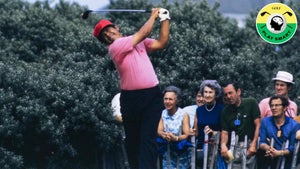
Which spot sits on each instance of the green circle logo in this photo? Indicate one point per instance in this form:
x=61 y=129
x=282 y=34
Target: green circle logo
x=276 y=23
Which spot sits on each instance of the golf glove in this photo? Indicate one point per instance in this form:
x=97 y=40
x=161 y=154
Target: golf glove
x=164 y=14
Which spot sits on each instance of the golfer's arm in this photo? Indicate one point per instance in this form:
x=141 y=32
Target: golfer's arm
x=163 y=38
x=145 y=30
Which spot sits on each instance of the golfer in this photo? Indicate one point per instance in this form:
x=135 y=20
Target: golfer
x=141 y=99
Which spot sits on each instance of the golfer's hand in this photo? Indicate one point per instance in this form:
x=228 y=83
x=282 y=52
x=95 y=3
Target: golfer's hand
x=164 y=14
x=155 y=12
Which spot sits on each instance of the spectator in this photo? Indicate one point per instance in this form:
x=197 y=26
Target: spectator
x=280 y=128
x=117 y=153
x=283 y=84
x=191 y=110
x=141 y=99
x=173 y=128
x=208 y=116
x=242 y=116
x=298 y=154
x=115 y=104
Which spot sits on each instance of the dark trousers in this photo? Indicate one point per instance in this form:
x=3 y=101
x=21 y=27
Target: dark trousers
x=141 y=111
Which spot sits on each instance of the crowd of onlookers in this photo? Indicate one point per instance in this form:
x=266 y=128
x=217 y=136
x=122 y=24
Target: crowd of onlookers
x=264 y=132
x=202 y=135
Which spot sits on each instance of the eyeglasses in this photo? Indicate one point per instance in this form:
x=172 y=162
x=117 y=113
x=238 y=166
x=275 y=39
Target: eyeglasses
x=275 y=105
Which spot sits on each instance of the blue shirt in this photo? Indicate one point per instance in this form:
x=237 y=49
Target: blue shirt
x=268 y=130
x=173 y=123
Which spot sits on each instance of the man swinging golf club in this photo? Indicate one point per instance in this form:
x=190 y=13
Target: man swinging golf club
x=141 y=99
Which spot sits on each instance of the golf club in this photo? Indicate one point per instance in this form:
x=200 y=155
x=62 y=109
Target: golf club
x=86 y=13
x=289 y=13
x=265 y=12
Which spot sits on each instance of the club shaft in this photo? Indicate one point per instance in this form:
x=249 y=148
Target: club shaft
x=85 y=14
x=121 y=10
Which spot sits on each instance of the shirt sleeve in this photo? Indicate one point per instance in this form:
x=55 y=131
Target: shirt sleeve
x=224 y=125
x=115 y=104
x=292 y=137
x=255 y=109
x=263 y=107
x=263 y=132
x=148 y=43
x=120 y=48
x=292 y=109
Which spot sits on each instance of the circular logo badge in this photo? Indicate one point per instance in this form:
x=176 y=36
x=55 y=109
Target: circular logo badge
x=276 y=23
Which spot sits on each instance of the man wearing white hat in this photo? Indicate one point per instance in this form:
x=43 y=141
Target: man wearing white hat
x=283 y=84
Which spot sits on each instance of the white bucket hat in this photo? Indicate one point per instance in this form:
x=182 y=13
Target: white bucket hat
x=284 y=76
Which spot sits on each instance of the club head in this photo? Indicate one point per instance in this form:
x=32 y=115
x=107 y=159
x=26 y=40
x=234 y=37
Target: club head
x=85 y=14
x=289 y=13
x=265 y=12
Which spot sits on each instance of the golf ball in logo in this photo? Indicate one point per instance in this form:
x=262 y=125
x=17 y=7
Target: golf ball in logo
x=276 y=23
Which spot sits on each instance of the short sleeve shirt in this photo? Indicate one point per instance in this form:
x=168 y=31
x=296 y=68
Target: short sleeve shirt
x=191 y=111
x=133 y=64
x=241 y=119
x=265 y=109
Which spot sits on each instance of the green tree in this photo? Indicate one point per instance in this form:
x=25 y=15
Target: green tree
x=55 y=91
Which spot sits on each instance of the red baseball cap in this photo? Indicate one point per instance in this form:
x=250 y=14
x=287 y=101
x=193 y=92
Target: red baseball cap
x=100 y=26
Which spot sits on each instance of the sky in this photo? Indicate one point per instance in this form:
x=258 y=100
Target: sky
x=92 y=4
x=96 y=4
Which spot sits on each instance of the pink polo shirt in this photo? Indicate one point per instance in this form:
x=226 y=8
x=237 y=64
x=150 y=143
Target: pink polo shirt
x=133 y=64
x=265 y=110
